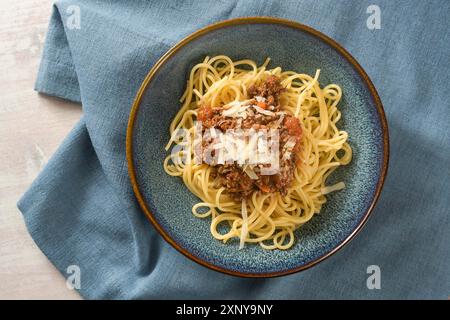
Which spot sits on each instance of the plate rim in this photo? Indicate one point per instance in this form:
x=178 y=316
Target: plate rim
x=234 y=22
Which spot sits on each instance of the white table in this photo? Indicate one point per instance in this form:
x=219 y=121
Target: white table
x=31 y=128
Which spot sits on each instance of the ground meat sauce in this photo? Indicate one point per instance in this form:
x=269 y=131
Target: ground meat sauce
x=269 y=89
x=231 y=176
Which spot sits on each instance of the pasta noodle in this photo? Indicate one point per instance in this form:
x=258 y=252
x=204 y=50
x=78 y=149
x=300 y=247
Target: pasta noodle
x=268 y=219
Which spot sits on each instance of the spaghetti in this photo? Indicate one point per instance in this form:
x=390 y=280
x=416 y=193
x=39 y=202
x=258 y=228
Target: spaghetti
x=265 y=216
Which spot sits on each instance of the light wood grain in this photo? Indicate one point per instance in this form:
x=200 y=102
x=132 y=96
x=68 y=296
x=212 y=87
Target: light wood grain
x=31 y=128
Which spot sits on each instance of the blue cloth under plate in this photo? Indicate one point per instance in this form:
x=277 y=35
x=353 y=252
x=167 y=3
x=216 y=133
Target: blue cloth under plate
x=81 y=209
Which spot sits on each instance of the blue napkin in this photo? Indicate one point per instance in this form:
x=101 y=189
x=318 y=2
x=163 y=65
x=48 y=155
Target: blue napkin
x=81 y=209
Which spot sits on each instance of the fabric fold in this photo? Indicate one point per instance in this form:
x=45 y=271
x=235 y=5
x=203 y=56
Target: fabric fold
x=57 y=75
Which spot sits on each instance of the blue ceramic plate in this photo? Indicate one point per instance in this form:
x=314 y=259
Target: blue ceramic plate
x=292 y=46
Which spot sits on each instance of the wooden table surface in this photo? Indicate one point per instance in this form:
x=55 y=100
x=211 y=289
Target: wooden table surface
x=31 y=128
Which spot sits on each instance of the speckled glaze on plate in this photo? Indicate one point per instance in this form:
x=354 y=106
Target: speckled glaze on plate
x=292 y=46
